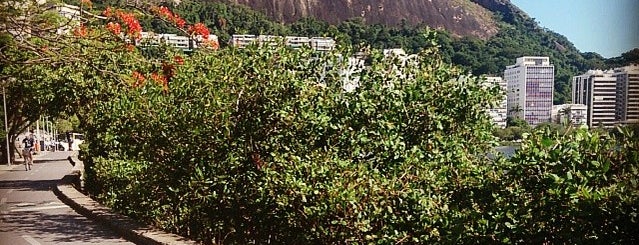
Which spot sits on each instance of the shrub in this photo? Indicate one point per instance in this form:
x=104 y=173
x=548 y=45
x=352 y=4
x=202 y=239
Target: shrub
x=265 y=146
x=575 y=188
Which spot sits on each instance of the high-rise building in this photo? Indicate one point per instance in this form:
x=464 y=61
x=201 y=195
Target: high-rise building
x=499 y=113
x=597 y=90
x=530 y=89
x=627 y=99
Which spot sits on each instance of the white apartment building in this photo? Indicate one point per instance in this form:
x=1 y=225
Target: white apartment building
x=322 y=43
x=316 y=43
x=173 y=40
x=530 y=89
x=243 y=41
x=499 y=113
x=597 y=90
x=574 y=114
x=297 y=42
x=627 y=97
x=269 y=40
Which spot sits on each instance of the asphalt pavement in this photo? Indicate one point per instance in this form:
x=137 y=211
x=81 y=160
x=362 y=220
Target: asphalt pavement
x=30 y=213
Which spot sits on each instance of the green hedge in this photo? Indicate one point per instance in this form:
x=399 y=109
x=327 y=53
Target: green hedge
x=264 y=146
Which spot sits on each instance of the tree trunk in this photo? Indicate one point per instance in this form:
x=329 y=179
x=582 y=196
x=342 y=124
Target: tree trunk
x=3 y=148
x=12 y=150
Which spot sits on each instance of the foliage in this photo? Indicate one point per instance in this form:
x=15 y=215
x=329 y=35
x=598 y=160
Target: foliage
x=224 y=20
x=28 y=64
x=269 y=139
x=517 y=122
x=60 y=66
x=627 y=58
x=577 y=188
x=264 y=146
x=67 y=123
x=511 y=133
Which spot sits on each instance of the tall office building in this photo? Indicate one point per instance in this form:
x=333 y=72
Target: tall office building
x=627 y=99
x=499 y=113
x=597 y=90
x=530 y=89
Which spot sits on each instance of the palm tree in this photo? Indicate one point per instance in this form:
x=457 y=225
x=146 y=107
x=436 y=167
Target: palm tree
x=565 y=112
x=515 y=110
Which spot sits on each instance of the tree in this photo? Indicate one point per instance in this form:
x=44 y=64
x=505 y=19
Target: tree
x=515 y=111
x=52 y=65
x=31 y=51
x=631 y=56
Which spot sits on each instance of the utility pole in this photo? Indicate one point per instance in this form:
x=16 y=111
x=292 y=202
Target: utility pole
x=37 y=136
x=6 y=124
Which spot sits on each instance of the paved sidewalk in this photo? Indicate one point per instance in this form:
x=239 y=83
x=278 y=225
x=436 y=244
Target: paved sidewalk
x=44 y=214
x=41 y=156
x=32 y=214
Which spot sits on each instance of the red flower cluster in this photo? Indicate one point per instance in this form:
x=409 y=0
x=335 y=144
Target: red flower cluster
x=107 y=12
x=114 y=28
x=178 y=59
x=130 y=47
x=161 y=80
x=164 y=12
x=212 y=44
x=200 y=29
x=163 y=77
x=132 y=24
x=81 y=31
x=138 y=79
x=128 y=20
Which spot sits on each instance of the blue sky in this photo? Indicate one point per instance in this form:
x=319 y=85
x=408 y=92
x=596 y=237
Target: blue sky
x=607 y=27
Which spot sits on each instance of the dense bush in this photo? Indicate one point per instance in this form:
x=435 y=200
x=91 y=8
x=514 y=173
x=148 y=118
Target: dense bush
x=580 y=187
x=265 y=146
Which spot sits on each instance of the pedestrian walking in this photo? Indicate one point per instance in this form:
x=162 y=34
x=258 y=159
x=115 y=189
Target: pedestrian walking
x=27 y=151
x=70 y=140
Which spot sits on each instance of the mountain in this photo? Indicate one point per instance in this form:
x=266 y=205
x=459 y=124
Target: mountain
x=460 y=17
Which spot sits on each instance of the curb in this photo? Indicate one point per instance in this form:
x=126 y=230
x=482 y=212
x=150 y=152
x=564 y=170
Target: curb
x=123 y=225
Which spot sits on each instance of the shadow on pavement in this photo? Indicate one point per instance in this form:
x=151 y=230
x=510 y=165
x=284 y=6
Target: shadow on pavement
x=21 y=162
x=28 y=185
x=56 y=228
x=49 y=160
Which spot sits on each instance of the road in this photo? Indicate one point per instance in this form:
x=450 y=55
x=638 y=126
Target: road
x=32 y=214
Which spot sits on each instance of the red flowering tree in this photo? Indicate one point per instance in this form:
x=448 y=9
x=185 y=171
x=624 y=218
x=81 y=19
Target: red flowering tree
x=71 y=55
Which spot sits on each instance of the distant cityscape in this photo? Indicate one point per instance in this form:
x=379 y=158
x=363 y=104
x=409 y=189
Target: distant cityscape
x=599 y=98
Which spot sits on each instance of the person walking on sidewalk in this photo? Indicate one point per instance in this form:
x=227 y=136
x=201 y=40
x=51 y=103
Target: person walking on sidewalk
x=28 y=143
x=70 y=140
